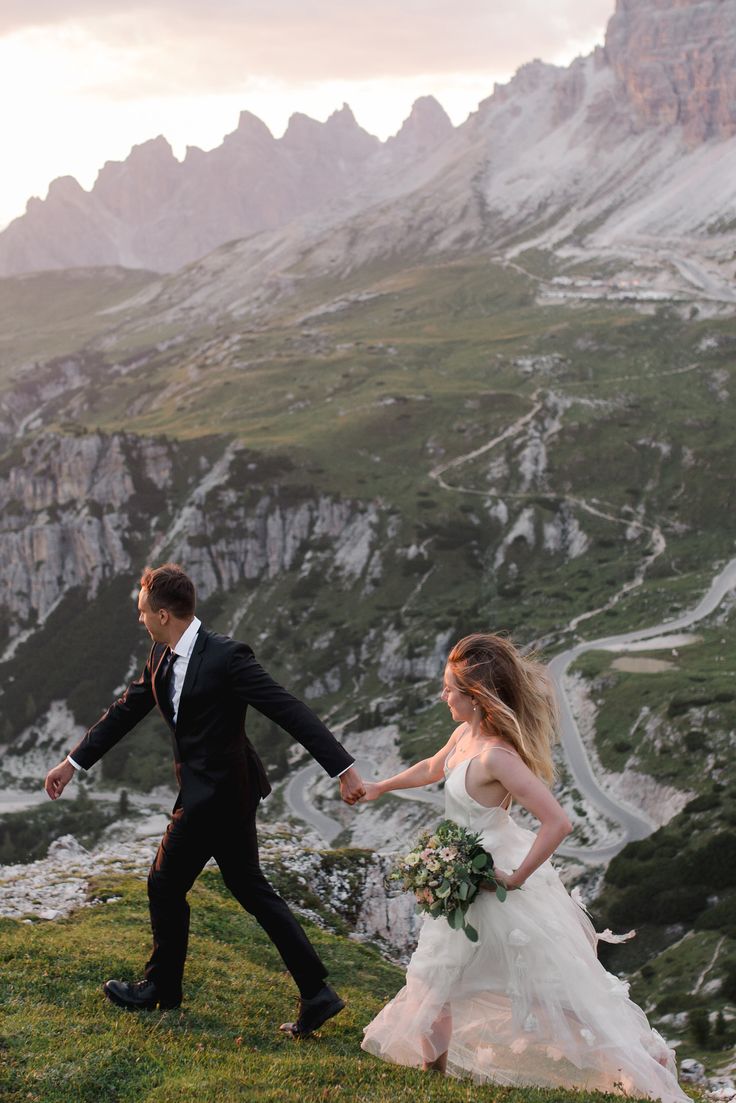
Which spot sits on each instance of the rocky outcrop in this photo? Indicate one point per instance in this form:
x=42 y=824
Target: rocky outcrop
x=321 y=885
x=677 y=63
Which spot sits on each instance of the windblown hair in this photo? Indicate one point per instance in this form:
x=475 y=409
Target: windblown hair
x=514 y=694
x=169 y=588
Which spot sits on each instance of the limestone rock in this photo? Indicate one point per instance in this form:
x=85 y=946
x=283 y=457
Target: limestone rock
x=677 y=63
x=692 y=1071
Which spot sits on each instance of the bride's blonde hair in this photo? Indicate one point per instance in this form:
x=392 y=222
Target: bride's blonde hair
x=514 y=694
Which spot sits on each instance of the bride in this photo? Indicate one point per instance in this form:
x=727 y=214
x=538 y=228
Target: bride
x=529 y=1003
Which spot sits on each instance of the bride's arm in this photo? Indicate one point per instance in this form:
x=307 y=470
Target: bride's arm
x=422 y=773
x=527 y=790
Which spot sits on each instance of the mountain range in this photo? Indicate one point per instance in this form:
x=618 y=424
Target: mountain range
x=603 y=154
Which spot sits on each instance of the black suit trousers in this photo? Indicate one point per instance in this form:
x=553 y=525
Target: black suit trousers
x=190 y=840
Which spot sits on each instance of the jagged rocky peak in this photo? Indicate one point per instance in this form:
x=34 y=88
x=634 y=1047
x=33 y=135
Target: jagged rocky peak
x=426 y=127
x=677 y=61
x=250 y=129
x=128 y=188
x=341 y=131
x=528 y=79
x=343 y=119
x=153 y=155
x=65 y=188
x=63 y=192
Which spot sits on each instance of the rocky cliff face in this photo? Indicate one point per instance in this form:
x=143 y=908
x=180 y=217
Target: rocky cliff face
x=78 y=509
x=676 y=59
x=65 y=516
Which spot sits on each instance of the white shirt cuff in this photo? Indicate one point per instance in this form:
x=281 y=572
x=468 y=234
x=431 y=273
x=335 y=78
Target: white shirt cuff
x=73 y=763
x=345 y=770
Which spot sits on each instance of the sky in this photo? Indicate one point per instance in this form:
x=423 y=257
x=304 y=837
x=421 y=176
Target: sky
x=83 y=81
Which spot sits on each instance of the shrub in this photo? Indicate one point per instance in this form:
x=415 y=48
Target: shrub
x=699 y=1025
x=719 y=917
x=714 y=861
x=728 y=984
x=680 y=904
x=703 y=803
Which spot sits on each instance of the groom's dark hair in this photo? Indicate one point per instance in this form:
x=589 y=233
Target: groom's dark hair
x=168 y=587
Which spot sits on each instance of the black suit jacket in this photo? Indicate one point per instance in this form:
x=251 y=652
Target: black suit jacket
x=215 y=761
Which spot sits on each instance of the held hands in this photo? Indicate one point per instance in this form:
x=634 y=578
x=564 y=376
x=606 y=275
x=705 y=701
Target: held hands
x=373 y=791
x=352 y=788
x=58 y=779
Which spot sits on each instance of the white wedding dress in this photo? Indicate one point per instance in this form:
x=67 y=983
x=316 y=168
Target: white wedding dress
x=530 y=1004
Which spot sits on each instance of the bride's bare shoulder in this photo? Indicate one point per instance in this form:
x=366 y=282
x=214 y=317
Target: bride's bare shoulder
x=498 y=756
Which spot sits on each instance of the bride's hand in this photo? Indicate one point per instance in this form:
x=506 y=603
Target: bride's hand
x=506 y=879
x=372 y=792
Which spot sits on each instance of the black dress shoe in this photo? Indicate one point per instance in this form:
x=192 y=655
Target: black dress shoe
x=139 y=996
x=314 y=1012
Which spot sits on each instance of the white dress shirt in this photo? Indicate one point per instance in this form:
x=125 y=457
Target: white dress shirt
x=182 y=650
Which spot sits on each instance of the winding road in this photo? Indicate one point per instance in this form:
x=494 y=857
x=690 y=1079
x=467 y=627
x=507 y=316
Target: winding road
x=634 y=824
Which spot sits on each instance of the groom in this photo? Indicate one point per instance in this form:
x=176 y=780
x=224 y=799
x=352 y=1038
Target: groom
x=202 y=684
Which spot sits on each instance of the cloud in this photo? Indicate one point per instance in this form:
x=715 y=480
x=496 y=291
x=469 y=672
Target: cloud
x=166 y=47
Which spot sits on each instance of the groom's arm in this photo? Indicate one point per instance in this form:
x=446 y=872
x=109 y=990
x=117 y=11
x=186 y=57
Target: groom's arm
x=121 y=717
x=254 y=686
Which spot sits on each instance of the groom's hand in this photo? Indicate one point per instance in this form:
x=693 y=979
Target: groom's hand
x=351 y=786
x=58 y=779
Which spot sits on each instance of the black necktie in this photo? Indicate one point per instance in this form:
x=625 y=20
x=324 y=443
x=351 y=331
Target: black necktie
x=166 y=696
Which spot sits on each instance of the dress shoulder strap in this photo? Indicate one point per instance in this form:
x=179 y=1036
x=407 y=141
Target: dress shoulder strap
x=509 y=750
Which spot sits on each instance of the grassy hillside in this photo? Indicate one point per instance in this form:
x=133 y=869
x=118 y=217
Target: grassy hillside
x=63 y=1042
x=49 y=314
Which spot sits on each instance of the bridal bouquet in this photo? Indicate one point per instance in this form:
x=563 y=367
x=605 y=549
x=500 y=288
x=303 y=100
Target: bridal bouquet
x=445 y=871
